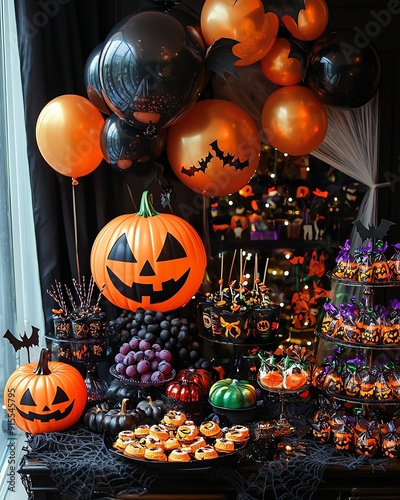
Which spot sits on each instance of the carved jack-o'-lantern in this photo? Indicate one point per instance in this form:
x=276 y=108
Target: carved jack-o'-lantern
x=390 y=333
x=365 y=272
x=45 y=396
x=391 y=445
x=333 y=382
x=343 y=438
x=150 y=260
x=366 y=444
x=381 y=271
x=350 y=271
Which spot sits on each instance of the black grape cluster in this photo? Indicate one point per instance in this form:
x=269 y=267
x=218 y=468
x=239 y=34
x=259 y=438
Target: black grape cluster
x=169 y=330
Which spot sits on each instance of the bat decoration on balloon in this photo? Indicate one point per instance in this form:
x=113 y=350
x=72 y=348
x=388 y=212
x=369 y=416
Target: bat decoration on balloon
x=24 y=341
x=227 y=159
x=297 y=51
x=282 y=8
x=373 y=232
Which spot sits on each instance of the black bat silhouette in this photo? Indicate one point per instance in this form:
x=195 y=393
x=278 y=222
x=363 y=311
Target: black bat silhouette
x=228 y=159
x=282 y=8
x=373 y=232
x=25 y=341
x=220 y=59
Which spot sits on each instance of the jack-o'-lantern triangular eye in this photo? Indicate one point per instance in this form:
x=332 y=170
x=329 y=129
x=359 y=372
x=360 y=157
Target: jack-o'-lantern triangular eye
x=172 y=249
x=121 y=251
x=27 y=399
x=60 y=397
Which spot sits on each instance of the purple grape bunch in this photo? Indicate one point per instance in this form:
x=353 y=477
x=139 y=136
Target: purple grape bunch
x=143 y=362
x=156 y=341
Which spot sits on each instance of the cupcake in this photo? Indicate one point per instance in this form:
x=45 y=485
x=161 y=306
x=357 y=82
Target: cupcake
x=135 y=450
x=155 y=453
x=179 y=455
x=207 y=452
x=223 y=445
x=210 y=429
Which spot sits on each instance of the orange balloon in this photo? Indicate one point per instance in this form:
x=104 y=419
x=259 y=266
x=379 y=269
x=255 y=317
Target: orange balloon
x=294 y=120
x=68 y=135
x=278 y=67
x=241 y=20
x=311 y=23
x=215 y=148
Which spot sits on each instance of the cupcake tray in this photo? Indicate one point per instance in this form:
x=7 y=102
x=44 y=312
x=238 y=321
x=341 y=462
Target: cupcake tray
x=194 y=464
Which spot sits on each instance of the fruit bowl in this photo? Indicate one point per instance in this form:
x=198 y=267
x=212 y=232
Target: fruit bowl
x=141 y=383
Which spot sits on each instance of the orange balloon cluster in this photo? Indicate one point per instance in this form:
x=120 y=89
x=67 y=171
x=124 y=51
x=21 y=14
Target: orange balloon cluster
x=241 y=20
x=279 y=67
x=68 y=135
x=311 y=23
x=215 y=148
x=294 y=120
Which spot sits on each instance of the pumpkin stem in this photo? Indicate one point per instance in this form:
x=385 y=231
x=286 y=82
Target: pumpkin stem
x=43 y=363
x=146 y=208
x=123 y=406
x=149 y=400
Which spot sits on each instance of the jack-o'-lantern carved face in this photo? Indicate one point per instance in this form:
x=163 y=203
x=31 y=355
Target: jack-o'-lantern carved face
x=371 y=334
x=172 y=266
x=381 y=271
x=365 y=273
x=56 y=407
x=333 y=383
x=150 y=260
x=366 y=446
x=350 y=271
x=390 y=334
x=343 y=439
x=391 y=446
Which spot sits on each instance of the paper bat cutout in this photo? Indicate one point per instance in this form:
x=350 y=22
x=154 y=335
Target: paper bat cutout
x=220 y=59
x=297 y=51
x=282 y=8
x=373 y=232
x=25 y=341
x=228 y=159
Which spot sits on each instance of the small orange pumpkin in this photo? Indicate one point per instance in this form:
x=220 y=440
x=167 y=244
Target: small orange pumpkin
x=45 y=396
x=148 y=259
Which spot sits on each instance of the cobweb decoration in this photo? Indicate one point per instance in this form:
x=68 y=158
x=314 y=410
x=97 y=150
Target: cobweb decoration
x=351 y=145
x=80 y=464
x=300 y=477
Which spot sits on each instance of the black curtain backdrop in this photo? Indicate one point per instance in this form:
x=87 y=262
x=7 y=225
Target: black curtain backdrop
x=55 y=40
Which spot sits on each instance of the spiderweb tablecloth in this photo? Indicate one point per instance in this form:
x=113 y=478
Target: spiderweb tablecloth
x=82 y=467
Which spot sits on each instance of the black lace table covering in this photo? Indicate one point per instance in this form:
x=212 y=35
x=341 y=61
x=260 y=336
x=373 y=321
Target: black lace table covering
x=80 y=464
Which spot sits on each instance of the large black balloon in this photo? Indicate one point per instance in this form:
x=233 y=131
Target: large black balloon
x=92 y=80
x=151 y=70
x=124 y=146
x=340 y=72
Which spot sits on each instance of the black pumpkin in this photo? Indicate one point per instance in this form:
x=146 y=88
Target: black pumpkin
x=93 y=417
x=119 y=390
x=154 y=410
x=117 y=420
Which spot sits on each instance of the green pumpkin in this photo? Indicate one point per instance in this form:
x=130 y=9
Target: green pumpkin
x=232 y=393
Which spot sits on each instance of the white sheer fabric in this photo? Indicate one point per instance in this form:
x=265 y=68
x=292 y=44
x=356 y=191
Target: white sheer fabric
x=20 y=297
x=351 y=146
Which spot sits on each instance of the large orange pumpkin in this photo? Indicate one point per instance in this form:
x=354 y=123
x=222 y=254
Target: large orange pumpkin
x=45 y=396
x=148 y=259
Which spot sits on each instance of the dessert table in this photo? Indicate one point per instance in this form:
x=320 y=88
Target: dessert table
x=78 y=464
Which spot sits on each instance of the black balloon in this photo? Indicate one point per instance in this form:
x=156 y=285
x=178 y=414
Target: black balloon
x=124 y=146
x=341 y=73
x=92 y=80
x=151 y=70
